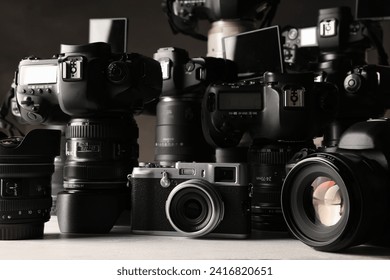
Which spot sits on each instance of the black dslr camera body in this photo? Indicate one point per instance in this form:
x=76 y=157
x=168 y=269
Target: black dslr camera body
x=84 y=80
x=96 y=92
x=333 y=199
x=281 y=115
x=288 y=107
x=191 y=199
x=179 y=134
x=336 y=49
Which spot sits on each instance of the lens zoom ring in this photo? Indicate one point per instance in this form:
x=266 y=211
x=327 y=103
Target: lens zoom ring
x=25 y=204
x=21 y=231
x=270 y=157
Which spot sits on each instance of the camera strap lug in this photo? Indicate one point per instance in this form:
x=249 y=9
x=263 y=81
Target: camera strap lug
x=165 y=182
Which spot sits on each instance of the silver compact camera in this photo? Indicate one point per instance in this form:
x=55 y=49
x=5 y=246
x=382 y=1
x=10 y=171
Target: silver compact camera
x=191 y=199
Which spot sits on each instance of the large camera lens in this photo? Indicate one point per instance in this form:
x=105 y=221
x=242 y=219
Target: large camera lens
x=194 y=208
x=100 y=153
x=334 y=201
x=179 y=135
x=267 y=169
x=26 y=166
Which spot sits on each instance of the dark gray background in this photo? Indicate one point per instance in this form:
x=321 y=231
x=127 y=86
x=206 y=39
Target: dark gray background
x=39 y=27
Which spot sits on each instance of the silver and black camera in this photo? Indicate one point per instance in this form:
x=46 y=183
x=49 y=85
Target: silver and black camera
x=191 y=199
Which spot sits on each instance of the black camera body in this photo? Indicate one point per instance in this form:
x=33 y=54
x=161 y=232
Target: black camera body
x=281 y=107
x=178 y=128
x=191 y=199
x=336 y=33
x=84 y=80
x=337 y=198
x=96 y=93
x=280 y=115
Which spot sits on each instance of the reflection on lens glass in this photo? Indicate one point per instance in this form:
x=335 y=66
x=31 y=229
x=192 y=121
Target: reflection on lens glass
x=192 y=209
x=327 y=201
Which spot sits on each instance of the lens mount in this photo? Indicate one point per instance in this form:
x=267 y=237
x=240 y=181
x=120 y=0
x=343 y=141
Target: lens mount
x=194 y=208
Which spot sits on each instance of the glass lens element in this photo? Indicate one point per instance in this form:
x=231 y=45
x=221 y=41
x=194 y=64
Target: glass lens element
x=327 y=201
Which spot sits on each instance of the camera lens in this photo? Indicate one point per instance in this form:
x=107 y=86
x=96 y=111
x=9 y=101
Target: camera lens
x=100 y=153
x=179 y=135
x=267 y=170
x=194 y=208
x=334 y=201
x=26 y=166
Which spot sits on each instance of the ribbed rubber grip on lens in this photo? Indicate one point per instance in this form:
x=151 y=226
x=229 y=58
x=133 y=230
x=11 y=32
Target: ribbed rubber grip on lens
x=96 y=172
x=21 y=231
x=25 y=204
x=103 y=129
x=270 y=157
x=24 y=170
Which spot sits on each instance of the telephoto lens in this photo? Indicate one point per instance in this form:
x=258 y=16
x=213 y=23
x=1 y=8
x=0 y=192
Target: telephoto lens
x=26 y=167
x=100 y=152
x=179 y=135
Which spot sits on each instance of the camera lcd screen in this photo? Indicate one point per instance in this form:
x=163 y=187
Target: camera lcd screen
x=255 y=52
x=372 y=9
x=244 y=101
x=37 y=74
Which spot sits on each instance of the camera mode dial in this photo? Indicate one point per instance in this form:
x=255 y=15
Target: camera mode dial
x=117 y=72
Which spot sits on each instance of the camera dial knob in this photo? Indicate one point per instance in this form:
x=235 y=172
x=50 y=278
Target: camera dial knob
x=117 y=72
x=352 y=83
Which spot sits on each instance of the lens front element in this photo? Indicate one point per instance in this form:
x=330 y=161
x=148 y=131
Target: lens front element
x=327 y=201
x=194 y=208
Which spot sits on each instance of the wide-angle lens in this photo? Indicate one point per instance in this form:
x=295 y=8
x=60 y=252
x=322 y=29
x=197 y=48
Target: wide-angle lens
x=26 y=166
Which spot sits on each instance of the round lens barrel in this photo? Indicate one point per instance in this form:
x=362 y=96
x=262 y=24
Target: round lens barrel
x=267 y=169
x=26 y=166
x=100 y=153
x=194 y=208
x=335 y=201
x=179 y=135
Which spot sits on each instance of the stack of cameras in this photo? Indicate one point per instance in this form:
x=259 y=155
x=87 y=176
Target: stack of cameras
x=234 y=148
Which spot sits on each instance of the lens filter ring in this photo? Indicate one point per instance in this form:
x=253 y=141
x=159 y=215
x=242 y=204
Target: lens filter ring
x=316 y=203
x=194 y=208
